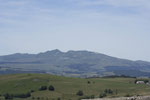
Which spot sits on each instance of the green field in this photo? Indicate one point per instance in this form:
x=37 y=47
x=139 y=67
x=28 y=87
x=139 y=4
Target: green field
x=66 y=87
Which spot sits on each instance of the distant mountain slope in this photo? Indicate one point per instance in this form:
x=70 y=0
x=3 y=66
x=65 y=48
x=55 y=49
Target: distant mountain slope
x=73 y=63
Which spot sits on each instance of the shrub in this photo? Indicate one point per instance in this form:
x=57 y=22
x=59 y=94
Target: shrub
x=43 y=88
x=11 y=96
x=51 y=88
x=88 y=82
x=32 y=91
x=26 y=95
x=110 y=91
x=146 y=81
x=80 y=93
x=8 y=96
x=105 y=91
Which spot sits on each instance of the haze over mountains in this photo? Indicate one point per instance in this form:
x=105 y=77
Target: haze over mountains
x=72 y=63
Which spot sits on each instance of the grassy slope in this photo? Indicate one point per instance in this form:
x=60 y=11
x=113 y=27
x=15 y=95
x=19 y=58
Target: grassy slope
x=67 y=87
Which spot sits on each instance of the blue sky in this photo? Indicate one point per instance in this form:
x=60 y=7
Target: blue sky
x=118 y=28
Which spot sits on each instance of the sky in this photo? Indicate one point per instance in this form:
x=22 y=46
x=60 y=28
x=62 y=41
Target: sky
x=118 y=28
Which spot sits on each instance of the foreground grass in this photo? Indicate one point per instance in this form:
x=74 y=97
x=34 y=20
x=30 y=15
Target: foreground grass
x=66 y=87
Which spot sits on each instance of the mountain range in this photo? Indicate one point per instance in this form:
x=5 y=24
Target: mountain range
x=73 y=63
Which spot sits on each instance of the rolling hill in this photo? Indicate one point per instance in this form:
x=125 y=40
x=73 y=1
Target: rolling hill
x=72 y=63
x=66 y=88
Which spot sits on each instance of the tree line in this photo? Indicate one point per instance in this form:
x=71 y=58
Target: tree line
x=28 y=94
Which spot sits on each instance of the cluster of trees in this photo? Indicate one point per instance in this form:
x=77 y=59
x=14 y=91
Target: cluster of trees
x=50 y=88
x=22 y=95
x=102 y=95
x=106 y=92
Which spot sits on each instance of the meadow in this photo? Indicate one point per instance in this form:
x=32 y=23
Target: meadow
x=66 y=88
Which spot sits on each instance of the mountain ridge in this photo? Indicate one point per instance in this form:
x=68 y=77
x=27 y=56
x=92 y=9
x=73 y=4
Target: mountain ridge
x=57 y=50
x=74 y=63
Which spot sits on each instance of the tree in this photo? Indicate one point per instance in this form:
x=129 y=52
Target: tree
x=80 y=93
x=28 y=94
x=88 y=82
x=58 y=99
x=106 y=91
x=135 y=81
x=146 y=81
x=51 y=88
x=110 y=91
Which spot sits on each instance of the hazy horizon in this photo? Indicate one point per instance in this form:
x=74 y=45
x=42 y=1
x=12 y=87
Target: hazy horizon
x=117 y=28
